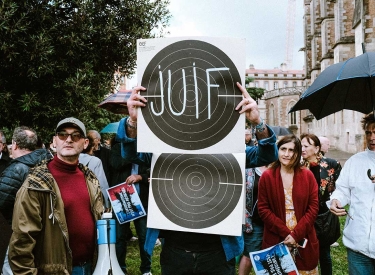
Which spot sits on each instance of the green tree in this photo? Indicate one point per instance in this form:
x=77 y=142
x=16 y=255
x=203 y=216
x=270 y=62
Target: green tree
x=254 y=92
x=58 y=58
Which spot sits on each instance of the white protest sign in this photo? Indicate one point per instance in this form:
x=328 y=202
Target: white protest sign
x=197 y=193
x=192 y=95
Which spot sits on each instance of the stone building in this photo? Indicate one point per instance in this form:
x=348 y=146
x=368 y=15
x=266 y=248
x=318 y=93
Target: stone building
x=336 y=30
x=283 y=88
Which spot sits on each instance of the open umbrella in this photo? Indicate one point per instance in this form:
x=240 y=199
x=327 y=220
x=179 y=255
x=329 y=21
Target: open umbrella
x=281 y=131
x=110 y=128
x=345 y=85
x=116 y=103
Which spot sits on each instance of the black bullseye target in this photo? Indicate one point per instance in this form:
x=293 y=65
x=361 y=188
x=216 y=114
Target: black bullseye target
x=196 y=191
x=192 y=94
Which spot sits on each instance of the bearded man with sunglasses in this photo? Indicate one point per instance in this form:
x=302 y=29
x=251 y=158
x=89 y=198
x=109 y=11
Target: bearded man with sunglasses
x=56 y=209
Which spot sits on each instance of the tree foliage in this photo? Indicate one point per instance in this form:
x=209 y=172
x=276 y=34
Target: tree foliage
x=58 y=58
x=254 y=92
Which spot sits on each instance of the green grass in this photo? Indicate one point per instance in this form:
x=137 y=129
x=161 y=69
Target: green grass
x=338 y=254
x=133 y=260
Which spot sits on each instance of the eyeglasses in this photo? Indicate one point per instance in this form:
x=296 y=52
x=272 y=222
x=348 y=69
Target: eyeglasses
x=74 y=136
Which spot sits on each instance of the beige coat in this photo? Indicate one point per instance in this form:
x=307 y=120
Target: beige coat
x=40 y=239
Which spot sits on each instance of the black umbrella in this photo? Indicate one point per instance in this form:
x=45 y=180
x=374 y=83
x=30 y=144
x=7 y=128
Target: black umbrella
x=345 y=85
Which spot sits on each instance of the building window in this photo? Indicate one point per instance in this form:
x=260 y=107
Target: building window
x=272 y=114
x=256 y=84
x=285 y=84
x=292 y=116
x=294 y=84
x=275 y=85
x=266 y=85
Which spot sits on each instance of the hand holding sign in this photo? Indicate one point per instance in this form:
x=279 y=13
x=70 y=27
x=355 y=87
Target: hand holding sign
x=249 y=106
x=136 y=100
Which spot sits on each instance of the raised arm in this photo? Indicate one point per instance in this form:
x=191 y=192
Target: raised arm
x=266 y=151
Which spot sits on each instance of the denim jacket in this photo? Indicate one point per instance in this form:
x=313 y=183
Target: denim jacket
x=263 y=154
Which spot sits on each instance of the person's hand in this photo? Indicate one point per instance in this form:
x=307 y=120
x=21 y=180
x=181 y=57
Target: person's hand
x=135 y=100
x=248 y=106
x=290 y=241
x=336 y=208
x=133 y=179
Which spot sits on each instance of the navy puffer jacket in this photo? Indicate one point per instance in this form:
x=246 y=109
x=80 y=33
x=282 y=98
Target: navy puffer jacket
x=13 y=177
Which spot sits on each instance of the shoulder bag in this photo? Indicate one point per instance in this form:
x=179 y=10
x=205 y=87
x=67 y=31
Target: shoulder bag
x=327 y=226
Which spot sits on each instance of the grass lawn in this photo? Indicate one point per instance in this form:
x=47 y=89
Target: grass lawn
x=338 y=254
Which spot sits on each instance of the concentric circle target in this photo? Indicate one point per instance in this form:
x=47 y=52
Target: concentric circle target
x=196 y=191
x=192 y=94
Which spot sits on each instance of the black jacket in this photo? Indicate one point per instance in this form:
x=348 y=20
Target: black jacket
x=4 y=162
x=104 y=154
x=121 y=169
x=13 y=177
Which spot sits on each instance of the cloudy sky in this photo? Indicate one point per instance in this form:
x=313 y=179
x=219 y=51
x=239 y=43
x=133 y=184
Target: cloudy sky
x=261 y=22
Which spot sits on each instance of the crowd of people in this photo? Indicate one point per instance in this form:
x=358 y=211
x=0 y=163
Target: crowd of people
x=53 y=197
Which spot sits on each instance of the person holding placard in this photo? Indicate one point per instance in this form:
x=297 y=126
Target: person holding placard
x=187 y=252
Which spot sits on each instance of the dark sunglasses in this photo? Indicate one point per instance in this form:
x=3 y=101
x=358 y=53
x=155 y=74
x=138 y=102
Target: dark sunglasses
x=74 y=136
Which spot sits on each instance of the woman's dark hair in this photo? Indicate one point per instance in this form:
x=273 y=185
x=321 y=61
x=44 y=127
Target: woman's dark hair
x=314 y=139
x=297 y=151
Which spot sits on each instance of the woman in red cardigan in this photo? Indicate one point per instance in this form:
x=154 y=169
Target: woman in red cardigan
x=288 y=205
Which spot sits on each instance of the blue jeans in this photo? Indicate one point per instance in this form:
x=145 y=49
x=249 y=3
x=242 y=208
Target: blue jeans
x=84 y=269
x=176 y=261
x=360 y=264
x=325 y=261
x=121 y=244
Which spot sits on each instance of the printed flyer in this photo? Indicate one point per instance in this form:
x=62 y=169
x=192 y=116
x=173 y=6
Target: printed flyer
x=125 y=202
x=274 y=260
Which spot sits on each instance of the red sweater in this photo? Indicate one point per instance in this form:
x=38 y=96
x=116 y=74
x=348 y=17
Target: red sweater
x=271 y=208
x=77 y=208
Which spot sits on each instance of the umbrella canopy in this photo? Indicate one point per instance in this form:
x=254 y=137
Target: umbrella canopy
x=110 y=128
x=281 y=131
x=345 y=85
x=116 y=103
